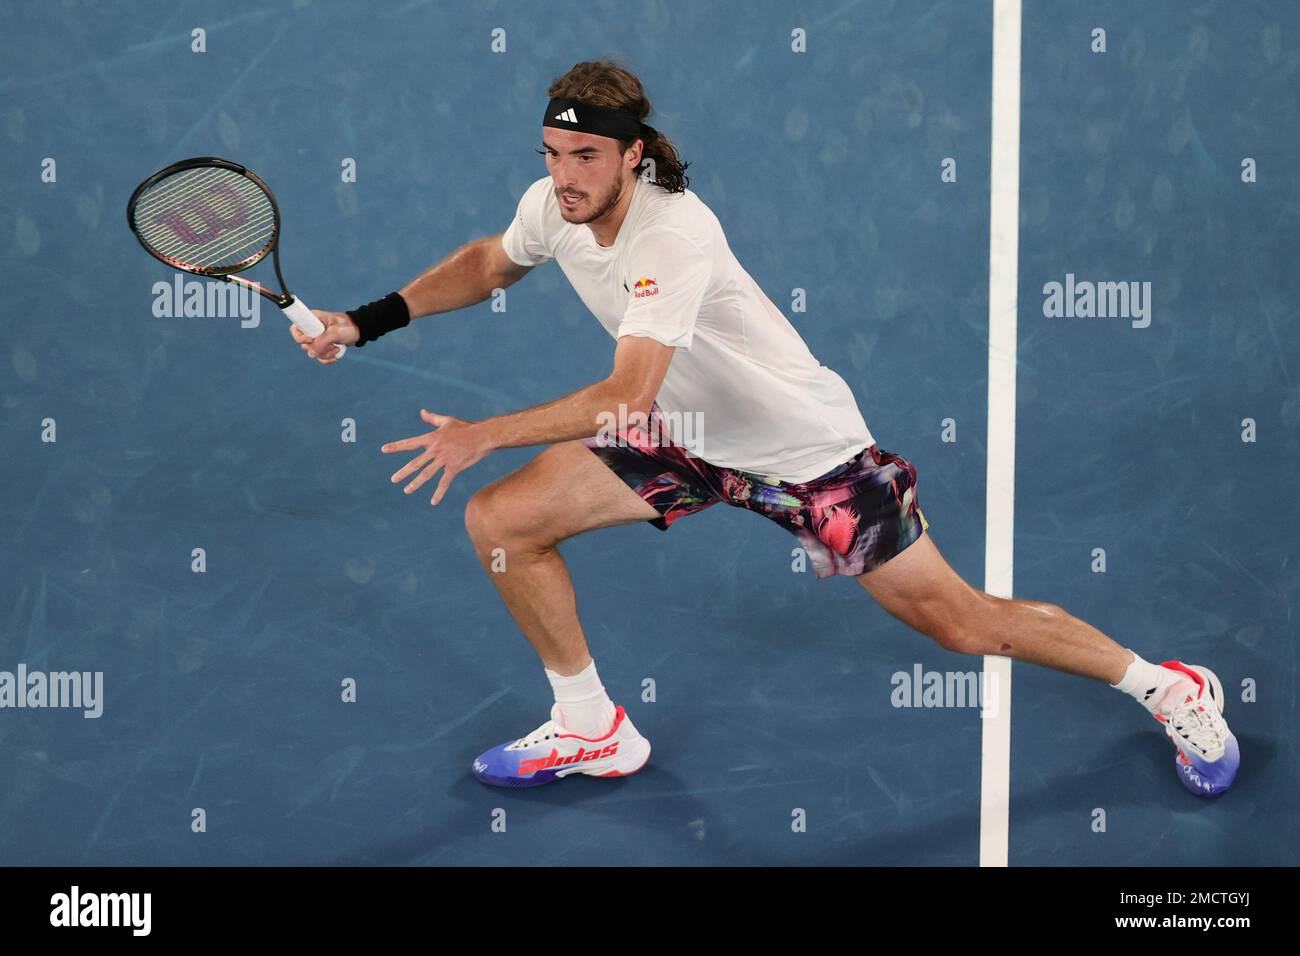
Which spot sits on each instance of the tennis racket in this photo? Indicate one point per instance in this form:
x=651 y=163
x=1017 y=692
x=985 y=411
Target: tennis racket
x=211 y=217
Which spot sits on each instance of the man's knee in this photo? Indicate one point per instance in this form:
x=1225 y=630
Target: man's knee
x=483 y=517
x=961 y=640
x=973 y=625
x=493 y=520
x=988 y=625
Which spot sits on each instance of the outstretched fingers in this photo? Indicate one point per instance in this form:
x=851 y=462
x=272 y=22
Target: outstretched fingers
x=433 y=468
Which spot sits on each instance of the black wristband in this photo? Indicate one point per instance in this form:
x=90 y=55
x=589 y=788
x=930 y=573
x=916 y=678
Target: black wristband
x=379 y=317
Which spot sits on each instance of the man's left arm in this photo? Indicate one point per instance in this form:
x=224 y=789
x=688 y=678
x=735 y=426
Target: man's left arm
x=640 y=364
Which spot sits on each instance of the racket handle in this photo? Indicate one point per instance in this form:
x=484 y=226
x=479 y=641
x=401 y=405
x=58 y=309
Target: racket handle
x=306 y=320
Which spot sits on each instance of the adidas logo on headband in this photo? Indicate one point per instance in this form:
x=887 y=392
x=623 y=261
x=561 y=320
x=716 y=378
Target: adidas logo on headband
x=562 y=112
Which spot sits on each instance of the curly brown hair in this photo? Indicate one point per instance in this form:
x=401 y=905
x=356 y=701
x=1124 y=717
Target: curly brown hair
x=606 y=83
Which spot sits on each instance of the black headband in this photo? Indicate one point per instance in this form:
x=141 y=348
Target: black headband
x=582 y=117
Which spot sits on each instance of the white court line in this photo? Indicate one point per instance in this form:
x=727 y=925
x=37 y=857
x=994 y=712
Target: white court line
x=1000 y=499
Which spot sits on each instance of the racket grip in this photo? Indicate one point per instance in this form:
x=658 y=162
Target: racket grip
x=306 y=320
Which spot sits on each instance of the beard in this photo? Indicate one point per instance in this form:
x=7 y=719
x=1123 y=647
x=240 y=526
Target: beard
x=580 y=215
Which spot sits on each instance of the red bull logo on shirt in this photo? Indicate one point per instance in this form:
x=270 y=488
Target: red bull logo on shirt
x=644 y=287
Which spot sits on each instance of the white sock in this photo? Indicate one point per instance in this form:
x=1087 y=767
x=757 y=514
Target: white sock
x=1148 y=683
x=585 y=709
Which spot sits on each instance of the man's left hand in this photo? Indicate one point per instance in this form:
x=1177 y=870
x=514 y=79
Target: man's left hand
x=453 y=447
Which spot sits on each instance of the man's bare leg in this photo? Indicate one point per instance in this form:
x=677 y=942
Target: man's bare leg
x=920 y=589
x=562 y=492
x=567 y=490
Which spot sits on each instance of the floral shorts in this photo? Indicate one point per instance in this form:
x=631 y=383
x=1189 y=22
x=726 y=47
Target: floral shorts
x=852 y=519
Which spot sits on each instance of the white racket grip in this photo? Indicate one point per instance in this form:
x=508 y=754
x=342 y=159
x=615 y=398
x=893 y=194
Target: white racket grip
x=306 y=320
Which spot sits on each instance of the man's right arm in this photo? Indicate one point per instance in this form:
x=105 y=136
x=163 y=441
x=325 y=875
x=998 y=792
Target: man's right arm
x=466 y=277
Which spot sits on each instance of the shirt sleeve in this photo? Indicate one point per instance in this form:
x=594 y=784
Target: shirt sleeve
x=667 y=275
x=524 y=240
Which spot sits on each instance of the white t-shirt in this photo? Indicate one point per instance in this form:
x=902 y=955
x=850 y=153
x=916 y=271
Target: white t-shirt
x=742 y=391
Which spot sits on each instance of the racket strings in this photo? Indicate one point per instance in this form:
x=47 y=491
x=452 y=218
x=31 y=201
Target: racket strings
x=189 y=181
x=176 y=198
x=206 y=218
x=231 y=247
x=252 y=235
x=178 y=188
x=224 y=205
x=249 y=234
x=245 y=235
x=218 y=230
x=186 y=194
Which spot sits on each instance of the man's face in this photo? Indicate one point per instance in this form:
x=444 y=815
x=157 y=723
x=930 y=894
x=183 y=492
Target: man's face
x=587 y=167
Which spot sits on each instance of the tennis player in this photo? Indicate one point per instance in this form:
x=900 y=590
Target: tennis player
x=713 y=397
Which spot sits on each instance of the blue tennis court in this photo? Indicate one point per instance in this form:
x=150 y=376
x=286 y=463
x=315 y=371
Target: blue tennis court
x=298 y=663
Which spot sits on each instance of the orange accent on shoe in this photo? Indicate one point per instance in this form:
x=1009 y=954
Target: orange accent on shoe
x=619 y=773
x=1184 y=669
x=619 y=714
